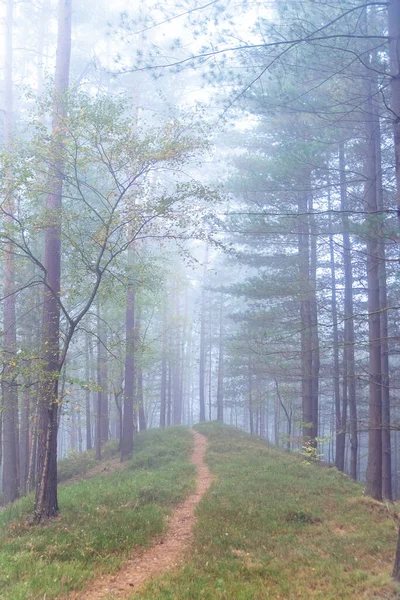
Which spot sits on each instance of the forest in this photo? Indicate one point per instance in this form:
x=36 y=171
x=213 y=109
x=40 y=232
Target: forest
x=200 y=210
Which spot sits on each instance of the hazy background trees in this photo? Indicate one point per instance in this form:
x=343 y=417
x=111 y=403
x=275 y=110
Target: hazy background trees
x=199 y=222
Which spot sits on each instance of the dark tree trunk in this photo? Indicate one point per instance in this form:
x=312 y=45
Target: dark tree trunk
x=349 y=380
x=394 y=51
x=387 y=491
x=8 y=385
x=305 y=321
x=315 y=353
x=339 y=416
x=32 y=467
x=99 y=373
x=374 y=469
x=46 y=496
x=24 y=441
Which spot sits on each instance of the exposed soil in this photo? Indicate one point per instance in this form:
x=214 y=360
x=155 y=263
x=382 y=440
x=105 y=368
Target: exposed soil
x=168 y=552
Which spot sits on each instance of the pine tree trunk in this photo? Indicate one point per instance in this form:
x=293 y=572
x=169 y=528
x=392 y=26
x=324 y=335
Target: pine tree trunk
x=340 y=418
x=315 y=353
x=394 y=52
x=349 y=380
x=374 y=469
x=384 y=335
x=305 y=321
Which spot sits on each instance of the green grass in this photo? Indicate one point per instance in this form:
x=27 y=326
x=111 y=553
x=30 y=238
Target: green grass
x=79 y=463
x=101 y=520
x=274 y=527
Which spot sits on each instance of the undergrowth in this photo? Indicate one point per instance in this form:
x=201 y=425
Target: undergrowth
x=101 y=521
x=273 y=526
x=79 y=463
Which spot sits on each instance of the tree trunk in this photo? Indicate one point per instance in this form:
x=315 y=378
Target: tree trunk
x=177 y=366
x=387 y=491
x=315 y=353
x=46 y=495
x=394 y=51
x=305 y=322
x=99 y=373
x=349 y=380
x=203 y=346
x=87 y=396
x=340 y=417
x=163 y=399
x=24 y=441
x=8 y=385
x=220 y=388
x=374 y=469
x=127 y=423
x=202 y=355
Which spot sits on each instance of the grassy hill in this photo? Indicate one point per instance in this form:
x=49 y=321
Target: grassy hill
x=273 y=526
x=102 y=519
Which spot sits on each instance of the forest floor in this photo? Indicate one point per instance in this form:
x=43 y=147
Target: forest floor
x=270 y=527
x=169 y=550
x=102 y=520
x=273 y=526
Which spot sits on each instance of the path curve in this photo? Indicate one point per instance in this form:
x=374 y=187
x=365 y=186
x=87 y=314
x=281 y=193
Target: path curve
x=168 y=551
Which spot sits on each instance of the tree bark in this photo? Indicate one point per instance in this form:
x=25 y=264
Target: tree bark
x=374 y=469
x=163 y=399
x=340 y=418
x=46 y=495
x=306 y=321
x=203 y=346
x=127 y=423
x=87 y=396
x=220 y=388
x=8 y=385
x=349 y=380
x=387 y=491
x=394 y=52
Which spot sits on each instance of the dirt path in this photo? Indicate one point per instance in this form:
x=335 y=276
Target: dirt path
x=168 y=551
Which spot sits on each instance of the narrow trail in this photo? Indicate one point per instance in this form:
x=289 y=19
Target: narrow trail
x=168 y=552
